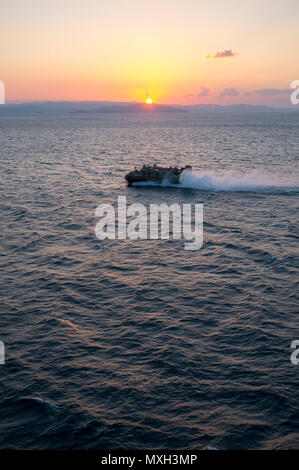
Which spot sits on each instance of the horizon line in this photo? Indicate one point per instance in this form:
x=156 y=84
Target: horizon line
x=24 y=102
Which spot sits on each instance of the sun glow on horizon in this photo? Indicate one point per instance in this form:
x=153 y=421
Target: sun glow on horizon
x=149 y=101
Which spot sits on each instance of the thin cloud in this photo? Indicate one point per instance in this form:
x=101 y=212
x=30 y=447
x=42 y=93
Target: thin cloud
x=228 y=92
x=271 y=92
x=203 y=91
x=222 y=54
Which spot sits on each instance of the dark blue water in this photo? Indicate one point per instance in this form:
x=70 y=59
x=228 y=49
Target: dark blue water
x=141 y=344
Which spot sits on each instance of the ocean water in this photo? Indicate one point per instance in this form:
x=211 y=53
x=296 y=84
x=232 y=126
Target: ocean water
x=141 y=344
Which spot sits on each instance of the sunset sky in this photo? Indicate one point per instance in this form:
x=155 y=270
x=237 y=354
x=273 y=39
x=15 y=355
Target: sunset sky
x=173 y=51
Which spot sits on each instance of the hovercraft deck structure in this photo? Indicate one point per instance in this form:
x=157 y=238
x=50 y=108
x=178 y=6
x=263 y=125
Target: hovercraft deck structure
x=156 y=174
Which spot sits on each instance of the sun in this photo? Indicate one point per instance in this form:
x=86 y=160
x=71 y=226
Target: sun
x=149 y=101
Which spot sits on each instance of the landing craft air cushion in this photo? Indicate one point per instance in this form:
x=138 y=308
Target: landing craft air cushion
x=156 y=174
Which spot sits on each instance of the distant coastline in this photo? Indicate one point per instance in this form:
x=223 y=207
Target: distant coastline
x=103 y=107
x=139 y=108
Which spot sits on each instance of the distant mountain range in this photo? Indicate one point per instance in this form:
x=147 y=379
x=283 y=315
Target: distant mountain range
x=237 y=108
x=66 y=107
x=140 y=108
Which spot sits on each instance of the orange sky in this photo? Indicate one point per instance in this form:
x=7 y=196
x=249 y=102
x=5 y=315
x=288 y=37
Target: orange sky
x=126 y=50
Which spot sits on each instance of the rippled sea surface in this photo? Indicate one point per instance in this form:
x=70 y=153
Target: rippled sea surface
x=142 y=344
